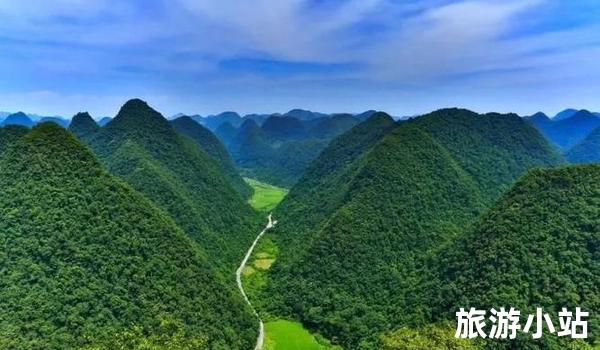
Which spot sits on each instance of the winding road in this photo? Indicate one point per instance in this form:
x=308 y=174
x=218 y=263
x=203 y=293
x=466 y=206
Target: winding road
x=238 y=277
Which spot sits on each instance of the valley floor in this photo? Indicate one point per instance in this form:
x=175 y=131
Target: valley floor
x=266 y=196
x=279 y=334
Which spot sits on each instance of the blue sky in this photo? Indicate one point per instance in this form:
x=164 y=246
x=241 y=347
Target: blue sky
x=201 y=56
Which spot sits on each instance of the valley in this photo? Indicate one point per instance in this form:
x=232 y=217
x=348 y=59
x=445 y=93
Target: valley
x=274 y=334
x=299 y=175
x=391 y=227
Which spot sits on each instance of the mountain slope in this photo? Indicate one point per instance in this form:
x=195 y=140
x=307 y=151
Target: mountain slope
x=83 y=126
x=366 y=259
x=90 y=258
x=104 y=120
x=537 y=247
x=140 y=146
x=304 y=115
x=18 y=118
x=278 y=151
x=214 y=121
x=565 y=114
x=57 y=120
x=333 y=126
x=566 y=133
x=283 y=128
x=211 y=144
x=357 y=231
x=505 y=148
x=588 y=150
x=10 y=134
x=226 y=133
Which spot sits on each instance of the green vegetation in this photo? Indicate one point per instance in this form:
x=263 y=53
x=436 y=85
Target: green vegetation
x=588 y=150
x=141 y=147
x=131 y=244
x=433 y=336
x=265 y=197
x=88 y=261
x=211 y=144
x=255 y=273
x=359 y=234
x=288 y=335
x=537 y=247
x=278 y=151
x=82 y=125
x=10 y=134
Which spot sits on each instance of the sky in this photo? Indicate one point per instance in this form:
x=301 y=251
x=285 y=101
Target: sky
x=261 y=56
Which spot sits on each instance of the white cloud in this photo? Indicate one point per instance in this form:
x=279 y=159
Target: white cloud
x=454 y=39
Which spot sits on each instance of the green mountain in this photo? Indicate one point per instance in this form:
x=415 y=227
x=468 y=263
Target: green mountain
x=278 y=151
x=226 y=133
x=91 y=263
x=140 y=146
x=258 y=118
x=211 y=144
x=357 y=232
x=57 y=120
x=365 y=115
x=537 y=247
x=328 y=128
x=283 y=128
x=506 y=147
x=304 y=115
x=10 y=134
x=82 y=125
x=588 y=150
x=214 y=121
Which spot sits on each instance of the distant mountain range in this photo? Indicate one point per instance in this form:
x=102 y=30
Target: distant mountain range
x=18 y=118
x=214 y=121
x=567 y=128
x=278 y=150
x=29 y=119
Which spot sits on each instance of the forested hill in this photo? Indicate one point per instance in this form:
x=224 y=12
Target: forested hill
x=83 y=126
x=374 y=207
x=493 y=148
x=10 y=134
x=140 y=146
x=211 y=144
x=279 y=150
x=588 y=150
x=327 y=180
x=537 y=247
x=90 y=263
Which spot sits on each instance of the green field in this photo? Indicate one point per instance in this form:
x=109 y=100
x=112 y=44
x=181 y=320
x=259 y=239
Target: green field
x=288 y=335
x=266 y=197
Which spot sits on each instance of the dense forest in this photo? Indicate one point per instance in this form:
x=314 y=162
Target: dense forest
x=215 y=148
x=374 y=207
x=588 y=150
x=88 y=262
x=127 y=235
x=140 y=146
x=279 y=149
x=537 y=247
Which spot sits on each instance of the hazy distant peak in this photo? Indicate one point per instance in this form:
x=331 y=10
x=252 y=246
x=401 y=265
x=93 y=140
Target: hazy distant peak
x=567 y=113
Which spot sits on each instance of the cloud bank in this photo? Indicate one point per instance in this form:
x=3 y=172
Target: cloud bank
x=204 y=56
